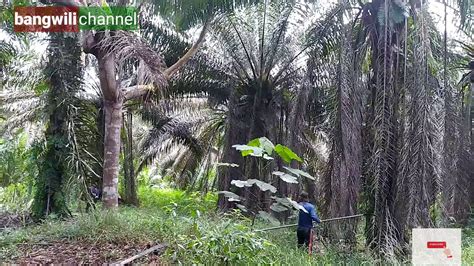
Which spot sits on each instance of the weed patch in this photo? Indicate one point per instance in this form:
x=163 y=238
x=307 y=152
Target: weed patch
x=193 y=236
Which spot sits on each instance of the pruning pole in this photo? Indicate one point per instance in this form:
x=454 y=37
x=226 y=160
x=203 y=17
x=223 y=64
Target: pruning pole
x=322 y=221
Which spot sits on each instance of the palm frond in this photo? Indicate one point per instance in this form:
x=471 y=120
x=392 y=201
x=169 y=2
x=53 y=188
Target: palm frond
x=23 y=87
x=125 y=46
x=342 y=181
x=418 y=173
x=185 y=13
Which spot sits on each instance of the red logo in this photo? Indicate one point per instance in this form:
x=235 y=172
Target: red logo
x=46 y=19
x=440 y=245
x=436 y=244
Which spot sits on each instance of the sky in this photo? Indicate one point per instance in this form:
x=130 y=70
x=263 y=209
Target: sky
x=437 y=11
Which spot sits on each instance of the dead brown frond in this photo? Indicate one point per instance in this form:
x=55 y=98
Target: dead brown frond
x=126 y=46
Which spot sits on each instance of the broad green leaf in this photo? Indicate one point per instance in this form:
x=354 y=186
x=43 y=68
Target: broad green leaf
x=230 y=195
x=278 y=207
x=283 y=201
x=228 y=164
x=254 y=143
x=262 y=185
x=248 y=150
x=299 y=172
x=286 y=177
x=266 y=145
x=266 y=157
x=257 y=154
x=296 y=205
x=286 y=153
x=250 y=182
x=240 y=183
x=266 y=216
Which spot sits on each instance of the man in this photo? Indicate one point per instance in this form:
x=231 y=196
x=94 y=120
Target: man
x=305 y=220
x=96 y=194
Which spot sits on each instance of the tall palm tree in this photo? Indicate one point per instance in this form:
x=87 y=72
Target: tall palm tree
x=227 y=86
x=342 y=180
x=419 y=177
x=179 y=115
x=458 y=143
x=246 y=70
x=43 y=97
x=399 y=54
x=64 y=72
x=117 y=47
x=29 y=102
x=261 y=49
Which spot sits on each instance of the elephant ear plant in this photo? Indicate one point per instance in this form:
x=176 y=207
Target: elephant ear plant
x=257 y=197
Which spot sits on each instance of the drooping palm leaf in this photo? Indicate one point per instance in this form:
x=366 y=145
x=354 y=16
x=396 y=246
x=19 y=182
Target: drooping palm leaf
x=185 y=13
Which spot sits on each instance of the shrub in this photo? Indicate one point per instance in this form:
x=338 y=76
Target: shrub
x=177 y=200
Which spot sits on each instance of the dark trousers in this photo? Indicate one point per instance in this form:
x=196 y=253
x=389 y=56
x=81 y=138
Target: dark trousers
x=303 y=234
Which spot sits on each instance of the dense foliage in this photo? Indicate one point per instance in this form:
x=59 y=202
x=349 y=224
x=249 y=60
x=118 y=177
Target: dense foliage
x=241 y=105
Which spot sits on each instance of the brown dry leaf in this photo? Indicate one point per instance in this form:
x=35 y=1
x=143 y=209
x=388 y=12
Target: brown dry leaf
x=81 y=252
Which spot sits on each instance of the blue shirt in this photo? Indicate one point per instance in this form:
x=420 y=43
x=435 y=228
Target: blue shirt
x=306 y=219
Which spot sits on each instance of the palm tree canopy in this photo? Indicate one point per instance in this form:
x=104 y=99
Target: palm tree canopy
x=185 y=13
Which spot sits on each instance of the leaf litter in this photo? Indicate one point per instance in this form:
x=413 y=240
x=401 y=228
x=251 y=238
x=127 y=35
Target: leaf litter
x=81 y=252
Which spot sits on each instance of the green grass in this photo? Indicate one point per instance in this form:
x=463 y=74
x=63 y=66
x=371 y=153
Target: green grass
x=209 y=239
x=194 y=235
x=468 y=243
x=176 y=199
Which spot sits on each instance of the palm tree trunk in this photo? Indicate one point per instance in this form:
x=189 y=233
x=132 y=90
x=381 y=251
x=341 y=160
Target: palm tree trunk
x=113 y=103
x=263 y=123
x=382 y=165
x=113 y=124
x=63 y=72
x=469 y=107
x=235 y=134
x=341 y=182
x=471 y=200
x=130 y=197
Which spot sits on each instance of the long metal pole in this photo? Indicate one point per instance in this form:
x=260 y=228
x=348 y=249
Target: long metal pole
x=322 y=221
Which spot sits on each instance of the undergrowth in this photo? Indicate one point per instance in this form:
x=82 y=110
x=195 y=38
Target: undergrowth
x=178 y=200
x=209 y=239
x=468 y=243
x=193 y=235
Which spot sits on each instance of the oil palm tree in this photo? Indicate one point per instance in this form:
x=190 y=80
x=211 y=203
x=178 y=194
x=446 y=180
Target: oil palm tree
x=43 y=97
x=64 y=73
x=246 y=70
x=380 y=36
x=458 y=142
x=266 y=59
x=262 y=68
x=341 y=183
x=30 y=103
x=115 y=48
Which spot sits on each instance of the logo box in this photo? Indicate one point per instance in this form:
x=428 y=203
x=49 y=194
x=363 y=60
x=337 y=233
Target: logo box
x=436 y=246
x=33 y=19
x=74 y=19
